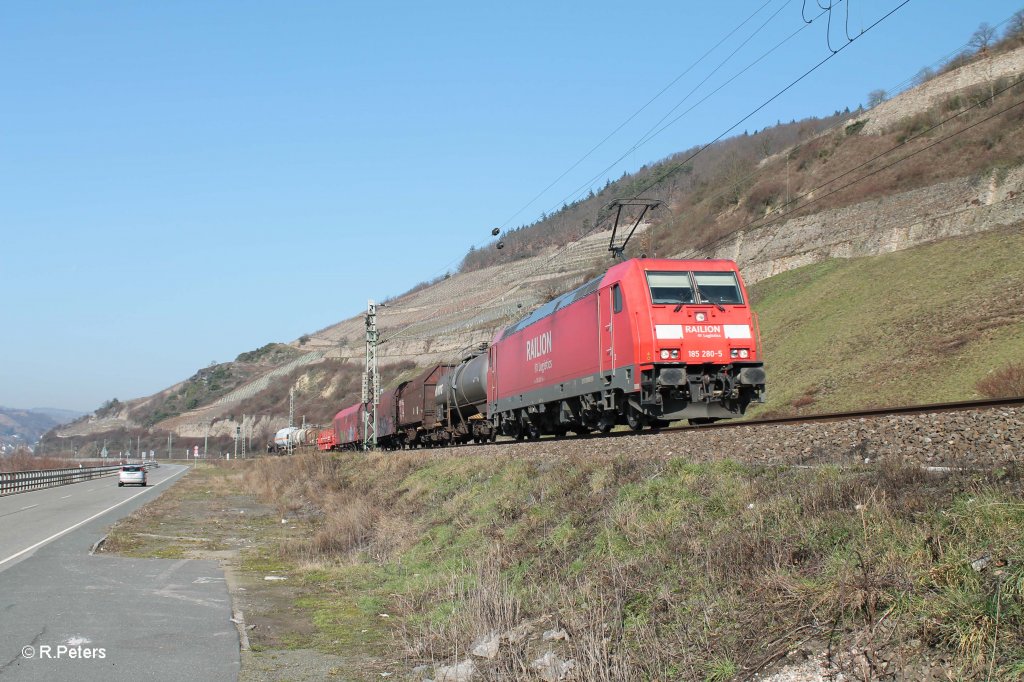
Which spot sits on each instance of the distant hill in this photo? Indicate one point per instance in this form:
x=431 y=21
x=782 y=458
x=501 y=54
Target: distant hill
x=24 y=427
x=57 y=414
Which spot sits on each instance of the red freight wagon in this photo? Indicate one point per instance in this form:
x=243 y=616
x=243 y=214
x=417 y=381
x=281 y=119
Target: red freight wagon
x=326 y=440
x=388 y=434
x=417 y=410
x=650 y=341
x=348 y=427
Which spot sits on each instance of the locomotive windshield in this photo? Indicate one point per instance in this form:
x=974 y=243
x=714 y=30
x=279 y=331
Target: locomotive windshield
x=668 y=288
x=719 y=287
x=674 y=288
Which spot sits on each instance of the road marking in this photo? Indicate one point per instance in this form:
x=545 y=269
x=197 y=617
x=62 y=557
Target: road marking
x=80 y=523
x=65 y=497
x=19 y=510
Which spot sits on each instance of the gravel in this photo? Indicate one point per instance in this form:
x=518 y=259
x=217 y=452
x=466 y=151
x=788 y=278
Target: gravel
x=969 y=439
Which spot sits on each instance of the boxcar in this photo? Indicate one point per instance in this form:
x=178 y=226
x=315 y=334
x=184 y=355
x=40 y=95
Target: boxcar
x=417 y=409
x=389 y=436
x=348 y=427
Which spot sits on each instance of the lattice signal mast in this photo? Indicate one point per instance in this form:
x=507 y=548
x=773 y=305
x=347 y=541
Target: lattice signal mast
x=371 y=379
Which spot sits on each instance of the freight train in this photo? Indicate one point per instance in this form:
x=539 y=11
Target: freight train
x=651 y=341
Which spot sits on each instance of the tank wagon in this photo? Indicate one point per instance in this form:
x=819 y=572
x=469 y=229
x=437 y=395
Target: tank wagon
x=461 y=400
x=281 y=438
x=649 y=342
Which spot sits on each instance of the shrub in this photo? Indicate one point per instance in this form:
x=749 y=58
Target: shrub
x=765 y=195
x=1007 y=382
x=856 y=126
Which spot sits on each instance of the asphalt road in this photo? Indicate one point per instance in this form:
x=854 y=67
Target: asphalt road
x=66 y=615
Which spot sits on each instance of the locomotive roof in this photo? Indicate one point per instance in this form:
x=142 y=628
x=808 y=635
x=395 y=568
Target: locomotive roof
x=644 y=264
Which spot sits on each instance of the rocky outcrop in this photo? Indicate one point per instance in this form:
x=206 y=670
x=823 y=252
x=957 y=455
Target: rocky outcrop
x=937 y=90
x=950 y=209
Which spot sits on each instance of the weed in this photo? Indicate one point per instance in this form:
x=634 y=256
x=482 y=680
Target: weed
x=720 y=670
x=1007 y=382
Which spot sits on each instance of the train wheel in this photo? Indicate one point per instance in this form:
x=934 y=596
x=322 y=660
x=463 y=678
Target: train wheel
x=532 y=432
x=634 y=418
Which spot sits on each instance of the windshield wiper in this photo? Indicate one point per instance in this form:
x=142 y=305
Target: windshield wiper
x=707 y=299
x=682 y=302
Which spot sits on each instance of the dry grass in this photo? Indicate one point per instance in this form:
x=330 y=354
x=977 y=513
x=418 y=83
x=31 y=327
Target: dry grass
x=24 y=460
x=1007 y=382
x=663 y=570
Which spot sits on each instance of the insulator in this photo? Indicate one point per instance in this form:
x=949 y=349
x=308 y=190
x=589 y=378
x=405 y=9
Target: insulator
x=495 y=231
x=501 y=245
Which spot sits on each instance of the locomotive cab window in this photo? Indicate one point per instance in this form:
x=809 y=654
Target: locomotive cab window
x=718 y=287
x=616 y=298
x=670 y=288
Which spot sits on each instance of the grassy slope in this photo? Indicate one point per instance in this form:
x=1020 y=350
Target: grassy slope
x=917 y=326
x=660 y=570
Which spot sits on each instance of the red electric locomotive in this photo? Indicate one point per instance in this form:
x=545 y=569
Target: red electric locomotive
x=649 y=342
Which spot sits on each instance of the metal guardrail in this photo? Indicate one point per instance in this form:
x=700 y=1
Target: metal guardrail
x=22 y=481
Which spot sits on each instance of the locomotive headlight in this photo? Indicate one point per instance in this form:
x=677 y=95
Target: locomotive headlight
x=701 y=317
x=733 y=353
x=744 y=353
x=664 y=354
x=675 y=354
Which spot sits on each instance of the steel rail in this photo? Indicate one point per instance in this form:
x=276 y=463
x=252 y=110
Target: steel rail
x=799 y=419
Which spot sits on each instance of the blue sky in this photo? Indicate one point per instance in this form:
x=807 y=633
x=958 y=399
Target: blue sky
x=184 y=181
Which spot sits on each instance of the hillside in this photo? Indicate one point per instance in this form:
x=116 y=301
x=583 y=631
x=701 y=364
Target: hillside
x=22 y=428
x=938 y=162
x=918 y=326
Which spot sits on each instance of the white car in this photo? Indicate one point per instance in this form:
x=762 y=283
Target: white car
x=132 y=474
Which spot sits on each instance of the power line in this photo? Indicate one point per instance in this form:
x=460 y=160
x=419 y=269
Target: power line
x=659 y=94
x=771 y=99
x=655 y=130
x=898 y=88
x=889 y=165
x=636 y=113
x=679 y=165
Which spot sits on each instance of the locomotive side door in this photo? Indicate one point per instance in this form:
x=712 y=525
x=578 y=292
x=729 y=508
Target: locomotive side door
x=609 y=304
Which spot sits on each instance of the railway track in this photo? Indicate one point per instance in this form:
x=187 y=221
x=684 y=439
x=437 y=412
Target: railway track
x=874 y=412
x=825 y=417
x=805 y=419
x=809 y=419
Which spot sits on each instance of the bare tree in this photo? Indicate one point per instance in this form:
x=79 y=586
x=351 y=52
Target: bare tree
x=983 y=37
x=876 y=97
x=924 y=75
x=1015 y=27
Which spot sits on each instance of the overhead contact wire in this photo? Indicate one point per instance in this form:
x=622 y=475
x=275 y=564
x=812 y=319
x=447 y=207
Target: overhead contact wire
x=679 y=165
